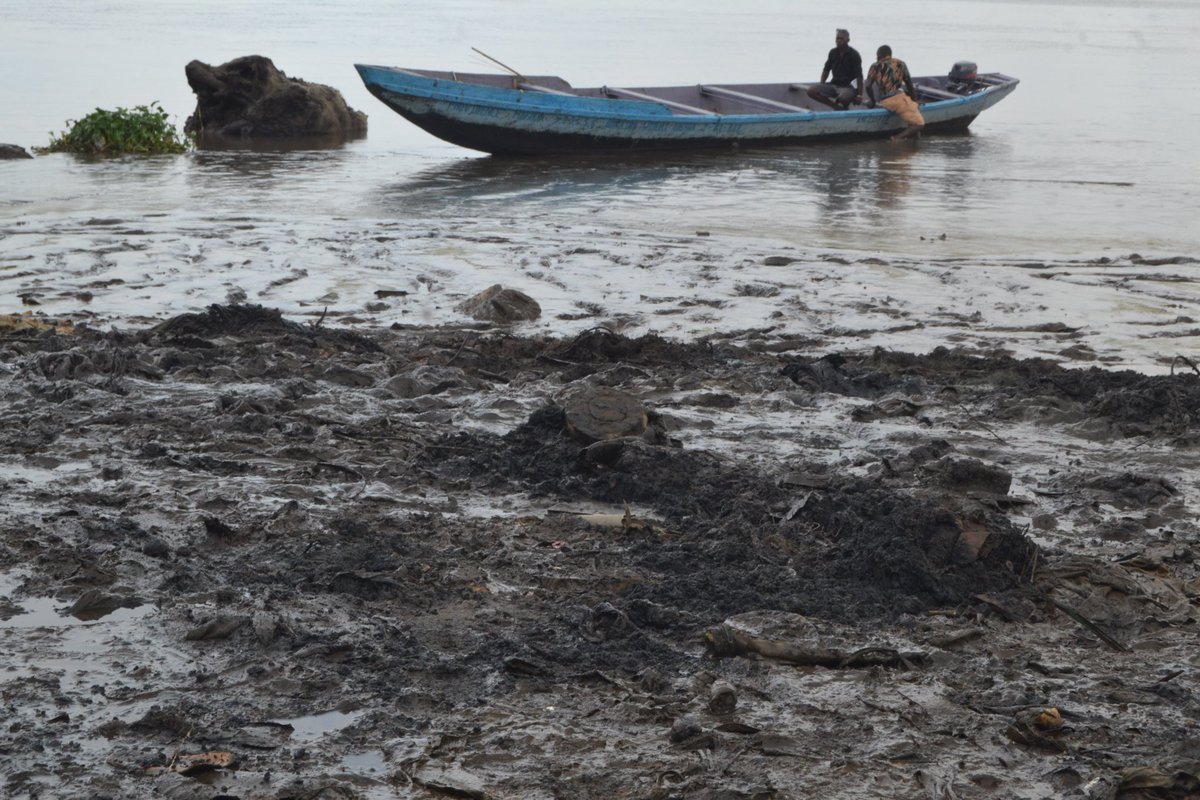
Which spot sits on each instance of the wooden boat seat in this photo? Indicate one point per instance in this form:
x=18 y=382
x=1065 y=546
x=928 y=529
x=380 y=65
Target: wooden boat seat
x=940 y=94
x=630 y=94
x=754 y=100
x=534 y=87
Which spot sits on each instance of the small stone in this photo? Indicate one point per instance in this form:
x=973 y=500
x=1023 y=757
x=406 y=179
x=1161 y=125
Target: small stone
x=685 y=728
x=156 y=548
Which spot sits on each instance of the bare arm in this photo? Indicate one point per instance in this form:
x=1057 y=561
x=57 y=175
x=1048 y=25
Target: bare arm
x=908 y=84
x=869 y=91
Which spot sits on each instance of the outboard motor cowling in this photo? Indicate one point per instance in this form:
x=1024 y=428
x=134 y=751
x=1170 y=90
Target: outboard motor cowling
x=963 y=71
x=962 y=78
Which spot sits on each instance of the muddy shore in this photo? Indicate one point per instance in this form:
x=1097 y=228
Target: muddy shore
x=247 y=557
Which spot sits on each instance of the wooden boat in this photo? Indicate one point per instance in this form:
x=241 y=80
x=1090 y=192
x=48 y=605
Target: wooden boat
x=519 y=115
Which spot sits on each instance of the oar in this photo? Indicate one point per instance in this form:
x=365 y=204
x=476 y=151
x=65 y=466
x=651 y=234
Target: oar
x=501 y=63
x=521 y=81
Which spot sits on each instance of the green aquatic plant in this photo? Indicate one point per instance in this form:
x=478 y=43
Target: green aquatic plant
x=141 y=129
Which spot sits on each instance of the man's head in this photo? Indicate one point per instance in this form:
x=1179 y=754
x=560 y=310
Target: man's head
x=842 y=37
x=883 y=52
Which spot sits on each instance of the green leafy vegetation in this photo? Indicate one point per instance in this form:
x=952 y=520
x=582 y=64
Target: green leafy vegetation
x=142 y=129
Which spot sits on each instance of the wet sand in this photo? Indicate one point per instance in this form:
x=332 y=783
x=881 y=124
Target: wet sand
x=1125 y=310
x=354 y=560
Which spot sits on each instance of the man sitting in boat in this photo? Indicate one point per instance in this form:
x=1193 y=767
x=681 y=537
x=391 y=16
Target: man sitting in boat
x=889 y=81
x=845 y=64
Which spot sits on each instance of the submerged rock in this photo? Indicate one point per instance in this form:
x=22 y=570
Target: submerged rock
x=94 y=604
x=497 y=304
x=12 y=151
x=249 y=97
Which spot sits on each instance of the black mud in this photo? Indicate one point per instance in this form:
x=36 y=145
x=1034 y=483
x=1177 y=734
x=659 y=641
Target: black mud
x=392 y=537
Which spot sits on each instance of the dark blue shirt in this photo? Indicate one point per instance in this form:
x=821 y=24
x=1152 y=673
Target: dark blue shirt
x=845 y=66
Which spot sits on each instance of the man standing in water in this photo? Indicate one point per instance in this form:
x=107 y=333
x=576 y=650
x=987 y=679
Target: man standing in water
x=890 y=78
x=845 y=64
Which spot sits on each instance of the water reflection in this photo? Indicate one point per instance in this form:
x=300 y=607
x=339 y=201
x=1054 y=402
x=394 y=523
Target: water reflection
x=894 y=176
x=315 y=726
x=302 y=174
x=211 y=142
x=832 y=196
x=548 y=178
x=836 y=181
x=254 y=162
x=853 y=186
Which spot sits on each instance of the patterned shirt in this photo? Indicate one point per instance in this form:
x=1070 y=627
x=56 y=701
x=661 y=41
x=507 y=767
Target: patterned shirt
x=890 y=74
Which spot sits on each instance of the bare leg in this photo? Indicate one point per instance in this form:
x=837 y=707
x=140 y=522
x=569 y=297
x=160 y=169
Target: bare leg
x=908 y=133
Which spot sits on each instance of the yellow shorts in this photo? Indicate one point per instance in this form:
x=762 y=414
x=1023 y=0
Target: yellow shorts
x=903 y=106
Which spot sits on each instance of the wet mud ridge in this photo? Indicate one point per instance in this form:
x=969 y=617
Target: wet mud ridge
x=243 y=557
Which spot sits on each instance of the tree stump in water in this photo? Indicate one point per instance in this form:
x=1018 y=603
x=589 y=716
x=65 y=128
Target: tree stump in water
x=601 y=413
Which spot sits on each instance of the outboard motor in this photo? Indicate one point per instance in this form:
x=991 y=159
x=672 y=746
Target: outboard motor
x=962 y=78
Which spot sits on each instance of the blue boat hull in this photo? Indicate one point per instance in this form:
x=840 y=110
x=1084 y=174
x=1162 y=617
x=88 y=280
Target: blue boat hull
x=504 y=120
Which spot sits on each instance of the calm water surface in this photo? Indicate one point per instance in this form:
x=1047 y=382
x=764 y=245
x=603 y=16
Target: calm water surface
x=1093 y=154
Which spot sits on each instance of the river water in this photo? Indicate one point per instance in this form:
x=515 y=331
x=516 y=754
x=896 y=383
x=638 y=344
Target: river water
x=1093 y=157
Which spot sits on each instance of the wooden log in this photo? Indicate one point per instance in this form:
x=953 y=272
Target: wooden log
x=726 y=641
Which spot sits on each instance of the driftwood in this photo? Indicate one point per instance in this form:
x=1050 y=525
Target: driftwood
x=1091 y=626
x=195 y=763
x=725 y=641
